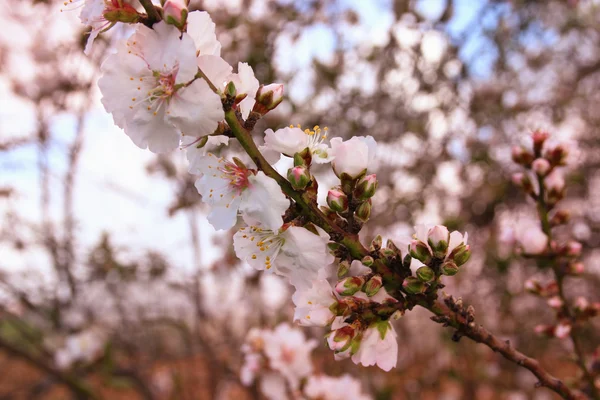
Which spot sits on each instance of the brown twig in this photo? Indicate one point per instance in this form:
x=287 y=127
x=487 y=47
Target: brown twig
x=479 y=334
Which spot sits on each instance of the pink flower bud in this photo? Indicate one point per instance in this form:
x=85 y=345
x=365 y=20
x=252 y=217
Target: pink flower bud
x=337 y=200
x=533 y=240
x=349 y=286
x=175 y=12
x=373 y=285
x=539 y=137
x=412 y=285
x=545 y=330
x=299 y=177
x=557 y=154
x=573 y=249
x=366 y=187
x=521 y=156
x=268 y=98
x=576 y=268
x=425 y=274
x=562 y=330
x=438 y=238
x=555 y=302
x=363 y=212
x=420 y=251
x=340 y=339
x=353 y=156
x=581 y=304
x=541 y=166
x=533 y=286
x=560 y=217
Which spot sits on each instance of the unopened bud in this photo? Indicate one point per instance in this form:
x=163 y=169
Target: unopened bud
x=343 y=268
x=376 y=243
x=121 y=12
x=449 y=268
x=413 y=285
x=522 y=156
x=367 y=261
x=366 y=187
x=539 y=137
x=522 y=180
x=557 y=155
x=337 y=200
x=299 y=177
x=555 y=302
x=573 y=248
x=230 y=89
x=175 y=12
x=581 y=304
x=576 y=268
x=425 y=274
x=438 y=238
x=461 y=254
x=533 y=286
x=349 y=286
x=541 y=167
x=544 y=330
x=562 y=330
x=373 y=285
x=363 y=212
x=392 y=246
x=268 y=97
x=420 y=251
x=340 y=339
x=560 y=217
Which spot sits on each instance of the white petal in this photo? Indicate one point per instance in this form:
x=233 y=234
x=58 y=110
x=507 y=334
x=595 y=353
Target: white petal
x=264 y=201
x=201 y=28
x=196 y=110
x=216 y=70
x=286 y=140
x=152 y=131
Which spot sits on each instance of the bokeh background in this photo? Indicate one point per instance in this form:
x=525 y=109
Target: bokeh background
x=101 y=238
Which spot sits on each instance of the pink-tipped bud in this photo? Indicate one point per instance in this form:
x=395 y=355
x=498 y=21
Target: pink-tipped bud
x=420 y=251
x=533 y=286
x=555 y=302
x=175 y=12
x=545 y=330
x=541 y=167
x=576 y=268
x=557 y=155
x=581 y=304
x=522 y=156
x=438 y=238
x=120 y=11
x=349 y=286
x=539 y=137
x=562 y=330
x=573 y=248
x=521 y=180
x=340 y=339
x=461 y=254
x=268 y=98
x=299 y=177
x=366 y=187
x=555 y=182
x=337 y=200
x=449 y=268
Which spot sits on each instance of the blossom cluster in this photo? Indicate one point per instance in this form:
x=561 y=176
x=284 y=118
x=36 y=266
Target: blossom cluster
x=279 y=361
x=167 y=86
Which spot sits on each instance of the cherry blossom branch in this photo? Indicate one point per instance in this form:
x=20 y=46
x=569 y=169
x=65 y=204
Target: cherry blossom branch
x=442 y=312
x=450 y=312
x=351 y=242
x=543 y=209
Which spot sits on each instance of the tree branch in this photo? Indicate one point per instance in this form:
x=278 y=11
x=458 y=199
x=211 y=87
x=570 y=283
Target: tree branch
x=479 y=334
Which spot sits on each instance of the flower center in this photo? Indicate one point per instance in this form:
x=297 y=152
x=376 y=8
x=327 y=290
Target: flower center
x=236 y=175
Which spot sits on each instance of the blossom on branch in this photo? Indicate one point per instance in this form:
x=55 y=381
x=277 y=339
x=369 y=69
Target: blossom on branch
x=353 y=156
x=229 y=187
x=325 y=387
x=293 y=252
x=150 y=87
x=314 y=303
x=291 y=140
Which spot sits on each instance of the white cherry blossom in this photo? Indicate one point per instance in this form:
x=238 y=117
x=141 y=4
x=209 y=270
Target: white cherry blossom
x=291 y=140
x=229 y=188
x=379 y=346
x=293 y=252
x=313 y=304
x=149 y=87
x=353 y=156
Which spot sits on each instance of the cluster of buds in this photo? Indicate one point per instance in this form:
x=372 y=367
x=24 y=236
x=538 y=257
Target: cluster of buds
x=542 y=161
x=350 y=203
x=441 y=252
